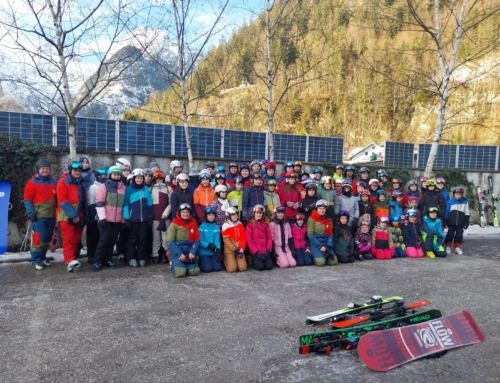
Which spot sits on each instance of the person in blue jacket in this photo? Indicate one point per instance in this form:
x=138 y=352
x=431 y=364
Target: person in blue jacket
x=252 y=195
x=138 y=215
x=457 y=218
x=433 y=234
x=210 y=247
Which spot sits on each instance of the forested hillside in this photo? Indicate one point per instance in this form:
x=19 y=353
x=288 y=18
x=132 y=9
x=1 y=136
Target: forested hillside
x=361 y=74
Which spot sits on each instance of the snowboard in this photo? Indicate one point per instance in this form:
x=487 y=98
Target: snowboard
x=387 y=349
x=4 y=214
x=318 y=341
x=493 y=202
x=482 y=218
x=352 y=308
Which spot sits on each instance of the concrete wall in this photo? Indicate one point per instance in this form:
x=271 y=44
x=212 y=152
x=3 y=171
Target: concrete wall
x=98 y=160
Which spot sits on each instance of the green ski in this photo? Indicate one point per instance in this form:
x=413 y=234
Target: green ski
x=314 y=342
x=353 y=308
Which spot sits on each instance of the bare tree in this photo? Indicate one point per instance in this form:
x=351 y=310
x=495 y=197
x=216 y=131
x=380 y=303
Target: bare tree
x=57 y=42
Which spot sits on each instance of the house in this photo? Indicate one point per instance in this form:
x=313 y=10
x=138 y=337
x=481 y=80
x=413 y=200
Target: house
x=371 y=152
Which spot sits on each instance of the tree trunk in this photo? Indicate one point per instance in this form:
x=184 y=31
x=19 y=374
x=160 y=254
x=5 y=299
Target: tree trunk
x=269 y=87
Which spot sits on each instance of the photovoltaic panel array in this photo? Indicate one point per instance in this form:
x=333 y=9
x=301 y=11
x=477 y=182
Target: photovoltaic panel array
x=288 y=147
x=398 y=154
x=445 y=158
x=477 y=157
x=326 y=149
x=244 y=145
x=30 y=127
x=144 y=137
x=205 y=142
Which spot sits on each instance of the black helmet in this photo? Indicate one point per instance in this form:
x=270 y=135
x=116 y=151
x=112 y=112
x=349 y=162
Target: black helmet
x=43 y=162
x=364 y=169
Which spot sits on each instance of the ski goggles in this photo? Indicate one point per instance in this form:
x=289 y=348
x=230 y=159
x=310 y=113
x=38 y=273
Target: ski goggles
x=259 y=209
x=433 y=210
x=364 y=223
x=458 y=191
x=279 y=209
x=412 y=213
x=76 y=166
x=184 y=206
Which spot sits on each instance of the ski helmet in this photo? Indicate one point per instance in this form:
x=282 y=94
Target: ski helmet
x=364 y=192
x=396 y=181
x=159 y=174
x=209 y=165
x=114 y=170
x=381 y=173
x=339 y=166
x=412 y=213
x=255 y=162
x=42 y=163
x=255 y=175
x=373 y=181
x=101 y=174
x=440 y=180
x=75 y=165
x=289 y=164
x=394 y=217
x=185 y=206
x=326 y=180
x=175 y=164
x=396 y=194
x=432 y=209
x=305 y=182
x=271 y=183
x=364 y=169
x=238 y=180
x=220 y=188
x=431 y=182
x=383 y=218
x=244 y=165
x=458 y=189
x=221 y=169
x=361 y=183
x=344 y=213
x=258 y=208
x=346 y=182
x=205 y=174
x=230 y=211
x=137 y=172
x=423 y=179
x=380 y=192
x=279 y=209
x=321 y=203
x=147 y=172
x=350 y=167
x=304 y=173
x=297 y=163
x=271 y=165
x=182 y=177
x=122 y=162
x=311 y=186
x=233 y=165
x=318 y=170
x=299 y=216
x=209 y=210
x=220 y=176
x=412 y=182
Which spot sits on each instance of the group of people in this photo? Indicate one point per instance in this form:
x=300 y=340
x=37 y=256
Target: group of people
x=212 y=219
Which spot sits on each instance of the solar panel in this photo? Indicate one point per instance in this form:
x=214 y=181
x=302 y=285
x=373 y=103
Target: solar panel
x=325 y=149
x=244 y=145
x=289 y=147
x=205 y=142
x=398 y=154
x=477 y=157
x=445 y=158
x=144 y=137
x=30 y=127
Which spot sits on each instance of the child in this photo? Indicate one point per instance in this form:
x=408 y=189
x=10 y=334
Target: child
x=328 y=194
x=203 y=196
x=380 y=208
x=309 y=201
x=233 y=235
x=360 y=186
x=363 y=241
x=259 y=239
x=282 y=236
x=397 y=185
x=290 y=196
x=210 y=247
x=382 y=247
x=342 y=237
x=235 y=197
x=299 y=244
x=412 y=235
x=349 y=203
x=160 y=194
x=320 y=233
x=220 y=204
x=365 y=208
x=395 y=206
x=338 y=187
x=397 y=237
x=412 y=205
x=441 y=183
x=339 y=172
x=271 y=199
x=373 y=187
x=432 y=234
x=457 y=218
x=413 y=190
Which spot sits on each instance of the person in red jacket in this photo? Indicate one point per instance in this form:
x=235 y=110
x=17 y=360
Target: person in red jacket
x=290 y=197
x=259 y=240
x=71 y=212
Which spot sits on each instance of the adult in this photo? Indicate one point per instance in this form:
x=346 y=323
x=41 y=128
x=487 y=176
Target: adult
x=339 y=172
x=289 y=165
x=93 y=234
x=203 y=196
x=121 y=245
x=154 y=166
x=87 y=172
x=433 y=198
x=181 y=194
x=329 y=195
x=252 y=195
x=259 y=239
x=40 y=204
x=160 y=194
x=320 y=233
x=109 y=199
x=317 y=175
x=71 y=212
x=290 y=196
x=270 y=172
x=397 y=185
x=184 y=240
x=297 y=167
x=233 y=171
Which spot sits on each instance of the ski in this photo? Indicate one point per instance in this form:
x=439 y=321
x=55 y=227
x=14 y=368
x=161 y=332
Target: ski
x=493 y=202
x=5 y=190
x=482 y=219
x=331 y=338
x=352 y=308
x=398 y=309
x=387 y=349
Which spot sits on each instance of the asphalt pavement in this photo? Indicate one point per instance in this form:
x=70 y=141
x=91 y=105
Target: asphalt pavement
x=143 y=325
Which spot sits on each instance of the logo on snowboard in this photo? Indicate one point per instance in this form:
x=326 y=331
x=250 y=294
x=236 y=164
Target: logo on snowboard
x=435 y=335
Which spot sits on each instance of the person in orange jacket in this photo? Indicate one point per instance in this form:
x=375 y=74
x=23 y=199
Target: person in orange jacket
x=203 y=196
x=71 y=212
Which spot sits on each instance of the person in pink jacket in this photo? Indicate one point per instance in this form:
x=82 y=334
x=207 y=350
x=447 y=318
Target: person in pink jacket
x=259 y=240
x=109 y=206
x=290 y=197
x=282 y=235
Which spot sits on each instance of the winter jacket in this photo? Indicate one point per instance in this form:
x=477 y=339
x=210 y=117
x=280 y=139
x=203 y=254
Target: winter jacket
x=160 y=194
x=445 y=193
x=292 y=196
x=319 y=230
x=252 y=195
x=88 y=177
x=71 y=198
x=433 y=227
x=203 y=197
x=379 y=209
x=457 y=212
x=363 y=241
x=404 y=200
x=233 y=235
x=331 y=197
x=381 y=238
x=220 y=215
x=178 y=197
x=281 y=234
x=337 y=176
x=397 y=236
x=299 y=236
x=91 y=200
x=373 y=195
x=395 y=208
x=40 y=196
x=412 y=234
x=350 y=203
x=235 y=199
x=342 y=237
x=416 y=194
x=209 y=234
x=231 y=177
x=365 y=212
x=259 y=237
x=433 y=199
x=138 y=205
x=109 y=200
x=271 y=200
x=183 y=237
x=309 y=205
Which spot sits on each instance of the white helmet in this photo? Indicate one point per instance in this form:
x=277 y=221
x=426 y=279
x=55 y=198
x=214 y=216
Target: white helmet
x=231 y=210
x=220 y=188
x=122 y=162
x=182 y=177
x=175 y=164
x=137 y=172
x=373 y=181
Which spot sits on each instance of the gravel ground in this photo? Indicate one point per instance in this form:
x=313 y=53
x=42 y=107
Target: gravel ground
x=138 y=325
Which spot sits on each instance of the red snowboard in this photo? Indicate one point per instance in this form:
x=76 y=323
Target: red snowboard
x=384 y=350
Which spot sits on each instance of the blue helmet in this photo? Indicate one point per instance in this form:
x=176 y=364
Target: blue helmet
x=394 y=217
x=289 y=163
x=380 y=192
x=209 y=210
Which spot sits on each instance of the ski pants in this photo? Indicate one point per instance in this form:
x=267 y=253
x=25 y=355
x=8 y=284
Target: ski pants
x=71 y=240
x=319 y=257
x=383 y=253
x=43 y=229
x=284 y=258
x=159 y=238
x=93 y=237
x=209 y=263
x=432 y=242
x=137 y=241
x=365 y=252
x=455 y=233
x=107 y=240
x=414 y=252
x=180 y=269
x=345 y=258
x=233 y=263
x=262 y=262
x=399 y=252
x=303 y=257
x=121 y=245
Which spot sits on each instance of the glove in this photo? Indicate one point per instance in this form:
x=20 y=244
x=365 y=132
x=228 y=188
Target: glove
x=150 y=221
x=240 y=253
x=102 y=224
x=236 y=252
x=162 y=226
x=219 y=255
x=126 y=224
x=212 y=247
x=82 y=222
x=294 y=254
x=32 y=217
x=466 y=226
